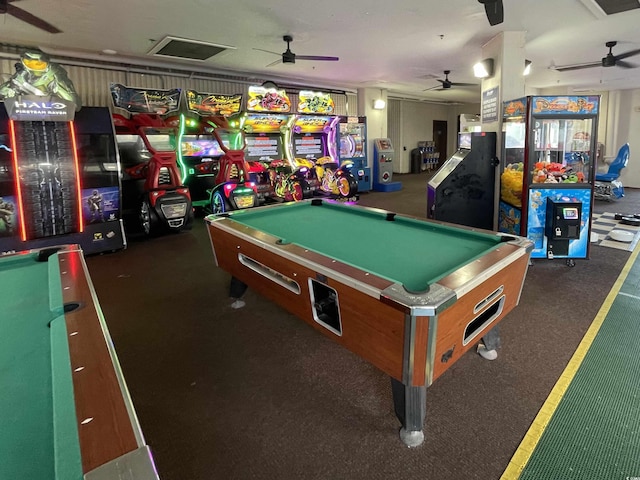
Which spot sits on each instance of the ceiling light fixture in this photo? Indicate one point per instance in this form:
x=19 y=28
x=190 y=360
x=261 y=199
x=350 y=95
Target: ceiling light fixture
x=484 y=68
x=527 y=67
x=379 y=103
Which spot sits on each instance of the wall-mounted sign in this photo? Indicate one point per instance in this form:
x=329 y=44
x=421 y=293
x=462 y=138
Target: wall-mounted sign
x=490 y=105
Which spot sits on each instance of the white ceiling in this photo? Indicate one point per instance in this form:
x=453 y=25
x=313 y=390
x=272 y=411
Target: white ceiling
x=400 y=46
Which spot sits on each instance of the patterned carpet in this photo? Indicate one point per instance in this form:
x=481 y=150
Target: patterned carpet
x=603 y=223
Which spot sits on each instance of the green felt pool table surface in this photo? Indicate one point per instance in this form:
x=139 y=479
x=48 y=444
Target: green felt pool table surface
x=27 y=349
x=402 y=250
x=65 y=413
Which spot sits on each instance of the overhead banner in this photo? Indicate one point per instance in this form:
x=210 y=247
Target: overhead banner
x=315 y=102
x=212 y=104
x=263 y=99
x=141 y=100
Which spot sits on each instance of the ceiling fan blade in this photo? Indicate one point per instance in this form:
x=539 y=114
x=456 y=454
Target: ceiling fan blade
x=581 y=66
x=317 y=57
x=274 y=63
x=268 y=51
x=628 y=54
x=624 y=64
x=31 y=19
x=464 y=84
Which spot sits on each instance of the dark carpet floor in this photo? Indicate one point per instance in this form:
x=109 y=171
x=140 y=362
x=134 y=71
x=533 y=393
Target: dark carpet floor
x=257 y=394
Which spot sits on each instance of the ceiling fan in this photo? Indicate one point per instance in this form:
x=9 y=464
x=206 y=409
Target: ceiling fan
x=447 y=84
x=289 y=57
x=494 y=11
x=20 y=14
x=610 y=60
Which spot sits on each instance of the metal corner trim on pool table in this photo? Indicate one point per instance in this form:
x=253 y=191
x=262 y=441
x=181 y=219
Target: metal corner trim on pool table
x=428 y=303
x=523 y=242
x=135 y=465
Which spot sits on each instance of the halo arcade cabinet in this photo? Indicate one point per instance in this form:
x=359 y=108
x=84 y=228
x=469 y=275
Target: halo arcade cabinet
x=383 y=166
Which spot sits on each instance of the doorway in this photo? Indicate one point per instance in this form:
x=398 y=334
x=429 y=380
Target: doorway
x=440 y=140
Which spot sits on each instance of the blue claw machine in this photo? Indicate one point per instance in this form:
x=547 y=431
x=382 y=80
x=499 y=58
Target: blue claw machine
x=547 y=179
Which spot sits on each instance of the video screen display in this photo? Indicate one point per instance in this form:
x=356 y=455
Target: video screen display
x=309 y=145
x=263 y=147
x=200 y=147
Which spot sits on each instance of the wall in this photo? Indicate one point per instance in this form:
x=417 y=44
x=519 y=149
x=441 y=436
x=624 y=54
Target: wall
x=411 y=121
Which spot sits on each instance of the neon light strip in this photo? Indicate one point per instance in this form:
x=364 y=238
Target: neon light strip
x=181 y=164
x=76 y=165
x=16 y=172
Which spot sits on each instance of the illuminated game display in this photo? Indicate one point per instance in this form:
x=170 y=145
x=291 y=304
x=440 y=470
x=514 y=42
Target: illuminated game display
x=59 y=172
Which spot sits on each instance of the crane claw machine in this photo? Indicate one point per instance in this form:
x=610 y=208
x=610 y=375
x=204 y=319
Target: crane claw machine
x=547 y=181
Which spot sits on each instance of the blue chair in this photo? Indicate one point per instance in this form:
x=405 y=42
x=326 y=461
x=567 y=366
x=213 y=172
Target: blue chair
x=616 y=166
x=607 y=186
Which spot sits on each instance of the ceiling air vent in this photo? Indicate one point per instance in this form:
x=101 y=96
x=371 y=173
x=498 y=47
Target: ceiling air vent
x=617 y=6
x=198 y=50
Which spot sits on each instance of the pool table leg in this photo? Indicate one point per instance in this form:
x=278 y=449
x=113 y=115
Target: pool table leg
x=410 y=404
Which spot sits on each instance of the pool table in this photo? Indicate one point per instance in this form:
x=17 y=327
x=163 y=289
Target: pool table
x=408 y=295
x=65 y=410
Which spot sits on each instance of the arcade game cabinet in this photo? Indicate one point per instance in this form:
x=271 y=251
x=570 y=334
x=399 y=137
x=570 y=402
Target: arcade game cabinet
x=199 y=151
x=383 y=166
x=353 y=147
x=59 y=172
x=462 y=190
x=549 y=155
x=154 y=198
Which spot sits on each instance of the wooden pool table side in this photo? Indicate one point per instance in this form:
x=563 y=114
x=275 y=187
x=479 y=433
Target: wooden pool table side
x=370 y=329
x=101 y=398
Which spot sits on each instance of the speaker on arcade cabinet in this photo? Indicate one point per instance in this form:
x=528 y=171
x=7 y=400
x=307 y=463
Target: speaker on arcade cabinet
x=383 y=166
x=462 y=191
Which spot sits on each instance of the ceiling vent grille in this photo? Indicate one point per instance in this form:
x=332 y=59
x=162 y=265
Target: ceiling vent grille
x=183 y=48
x=617 y=6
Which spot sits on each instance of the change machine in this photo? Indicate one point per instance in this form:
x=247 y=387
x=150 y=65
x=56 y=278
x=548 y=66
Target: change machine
x=546 y=186
x=383 y=166
x=462 y=190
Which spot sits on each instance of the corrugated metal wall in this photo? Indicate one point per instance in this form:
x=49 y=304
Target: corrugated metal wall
x=92 y=84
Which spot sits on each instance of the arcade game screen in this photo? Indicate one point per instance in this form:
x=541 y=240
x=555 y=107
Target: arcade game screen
x=264 y=147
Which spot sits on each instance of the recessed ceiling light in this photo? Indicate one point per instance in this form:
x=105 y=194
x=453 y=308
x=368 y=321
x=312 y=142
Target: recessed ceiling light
x=109 y=51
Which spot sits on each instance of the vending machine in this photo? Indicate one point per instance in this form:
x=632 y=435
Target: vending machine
x=383 y=166
x=547 y=181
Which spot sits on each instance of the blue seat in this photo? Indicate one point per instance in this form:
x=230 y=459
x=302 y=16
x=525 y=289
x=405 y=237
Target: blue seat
x=616 y=166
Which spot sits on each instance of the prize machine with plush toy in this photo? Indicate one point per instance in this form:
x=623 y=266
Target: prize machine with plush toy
x=198 y=150
x=546 y=186
x=59 y=172
x=314 y=144
x=353 y=148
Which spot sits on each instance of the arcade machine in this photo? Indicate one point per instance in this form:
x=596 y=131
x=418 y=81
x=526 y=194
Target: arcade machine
x=59 y=172
x=154 y=198
x=383 y=166
x=462 y=190
x=199 y=151
x=546 y=187
x=267 y=130
x=314 y=144
x=353 y=147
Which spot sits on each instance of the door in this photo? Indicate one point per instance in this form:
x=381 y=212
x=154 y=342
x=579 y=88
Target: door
x=440 y=139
